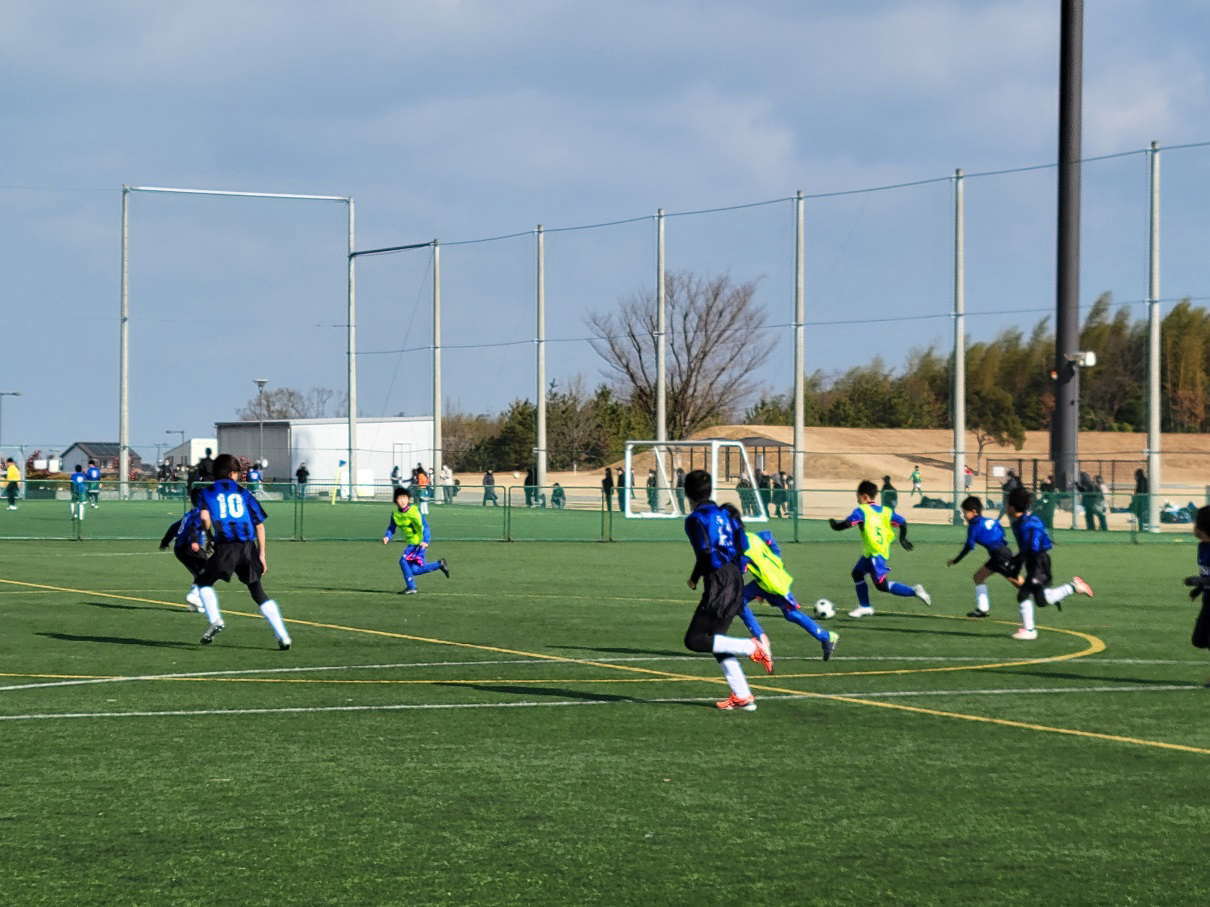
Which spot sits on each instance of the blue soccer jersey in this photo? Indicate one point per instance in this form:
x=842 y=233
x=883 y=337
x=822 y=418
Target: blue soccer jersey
x=234 y=512
x=717 y=539
x=1031 y=535
x=253 y=475
x=92 y=474
x=190 y=530
x=1203 y=558
x=79 y=485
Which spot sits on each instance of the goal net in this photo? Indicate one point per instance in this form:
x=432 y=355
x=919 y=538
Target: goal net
x=655 y=470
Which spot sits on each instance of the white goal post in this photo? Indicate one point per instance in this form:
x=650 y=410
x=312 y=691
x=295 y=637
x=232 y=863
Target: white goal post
x=651 y=470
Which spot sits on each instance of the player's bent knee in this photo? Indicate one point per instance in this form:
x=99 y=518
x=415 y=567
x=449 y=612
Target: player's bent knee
x=697 y=641
x=257 y=591
x=880 y=584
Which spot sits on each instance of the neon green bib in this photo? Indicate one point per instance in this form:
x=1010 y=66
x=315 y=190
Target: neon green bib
x=876 y=532
x=408 y=525
x=767 y=568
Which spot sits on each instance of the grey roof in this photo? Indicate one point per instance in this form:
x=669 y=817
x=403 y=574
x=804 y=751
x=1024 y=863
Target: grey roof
x=101 y=449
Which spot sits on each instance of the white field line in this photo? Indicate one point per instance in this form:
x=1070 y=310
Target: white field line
x=91 y=681
x=294 y=710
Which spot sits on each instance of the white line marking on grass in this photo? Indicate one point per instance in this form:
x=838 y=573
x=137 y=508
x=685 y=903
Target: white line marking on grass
x=434 y=706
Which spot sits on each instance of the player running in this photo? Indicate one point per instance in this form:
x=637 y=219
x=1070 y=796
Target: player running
x=414 y=529
x=988 y=532
x=79 y=493
x=771 y=582
x=1033 y=553
x=235 y=521
x=93 y=475
x=188 y=539
x=876 y=524
x=718 y=542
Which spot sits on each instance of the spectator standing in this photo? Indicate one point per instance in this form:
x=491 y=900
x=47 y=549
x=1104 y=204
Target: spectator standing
x=680 y=489
x=607 y=488
x=205 y=467
x=653 y=492
x=530 y=481
x=12 y=476
x=1140 y=505
x=622 y=490
x=888 y=495
x=489 y=489
x=447 y=484
x=301 y=475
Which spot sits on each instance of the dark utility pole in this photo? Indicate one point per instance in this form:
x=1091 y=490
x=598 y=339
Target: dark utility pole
x=1064 y=434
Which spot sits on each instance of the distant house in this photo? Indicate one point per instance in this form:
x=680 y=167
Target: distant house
x=104 y=452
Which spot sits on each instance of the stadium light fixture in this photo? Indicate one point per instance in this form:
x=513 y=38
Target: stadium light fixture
x=260 y=410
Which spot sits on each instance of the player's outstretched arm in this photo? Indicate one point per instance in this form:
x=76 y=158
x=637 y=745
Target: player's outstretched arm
x=839 y=525
x=170 y=534
x=903 y=539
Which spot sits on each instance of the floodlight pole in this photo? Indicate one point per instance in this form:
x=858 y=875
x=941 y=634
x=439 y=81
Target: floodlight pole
x=540 y=280
x=351 y=283
x=958 y=397
x=799 y=456
x=260 y=406
x=661 y=335
x=1065 y=428
x=436 y=356
x=1154 y=326
x=124 y=319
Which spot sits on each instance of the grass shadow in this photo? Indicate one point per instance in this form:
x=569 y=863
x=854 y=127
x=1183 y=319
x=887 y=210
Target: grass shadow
x=624 y=650
x=562 y=693
x=119 y=640
x=115 y=606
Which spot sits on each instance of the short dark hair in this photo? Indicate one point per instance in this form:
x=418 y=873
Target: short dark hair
x=733 y=512
x=402 y=492
x=698 y=485
x=1202 y=520
x=91 y=463
x=867 y=488
x=1019 y=500
x=224 y=465
x=195 y=494
x=972 y=503
x=78 y=467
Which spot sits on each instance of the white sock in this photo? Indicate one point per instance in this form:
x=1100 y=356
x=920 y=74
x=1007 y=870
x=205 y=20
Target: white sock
x=273 y=615
x=210 y=603
x=1058 y=593
x=735 y=677
x=732 y=645
x=983 y=602
x=1027 y=614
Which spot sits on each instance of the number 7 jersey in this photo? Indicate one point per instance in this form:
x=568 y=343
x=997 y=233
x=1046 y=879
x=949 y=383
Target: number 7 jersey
x=234 y=512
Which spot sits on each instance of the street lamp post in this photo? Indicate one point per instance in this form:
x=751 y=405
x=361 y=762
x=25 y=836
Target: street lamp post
x=4 y=394
x=260 y=408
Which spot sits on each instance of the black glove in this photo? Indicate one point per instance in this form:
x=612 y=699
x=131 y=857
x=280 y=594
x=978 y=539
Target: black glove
x=1199 y=585
x=838 y=524
x=907 y=546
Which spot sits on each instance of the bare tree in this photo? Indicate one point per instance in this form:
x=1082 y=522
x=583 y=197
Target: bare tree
x=714 y=344
x=289 y=403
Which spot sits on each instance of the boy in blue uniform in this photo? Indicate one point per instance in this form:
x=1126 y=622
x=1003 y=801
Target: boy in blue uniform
x=988 y=532
x=188 y=539
x=414 y=530
x=1033 y=554
x=254 y=478
x=93 y=475
x=235 y=521
x=771 y=583
x=876 y=523
x=79 y=493
x=718 y=544
x=1201 y=582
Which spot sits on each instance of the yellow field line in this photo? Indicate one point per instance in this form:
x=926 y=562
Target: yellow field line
x=1095 y=645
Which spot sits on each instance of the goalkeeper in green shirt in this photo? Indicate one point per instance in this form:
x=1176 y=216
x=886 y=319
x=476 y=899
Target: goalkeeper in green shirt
x=414 y=529
x=769 y=580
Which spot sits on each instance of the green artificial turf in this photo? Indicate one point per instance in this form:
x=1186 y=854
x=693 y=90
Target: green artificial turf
x=532 y=731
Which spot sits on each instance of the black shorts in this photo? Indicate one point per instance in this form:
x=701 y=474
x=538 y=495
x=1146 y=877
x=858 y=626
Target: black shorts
x=1001 y=561
x=239 y=558
x=194 y=561
x=722 y=599
x=1037 y=578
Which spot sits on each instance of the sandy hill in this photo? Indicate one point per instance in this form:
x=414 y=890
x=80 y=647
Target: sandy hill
x=837 y=456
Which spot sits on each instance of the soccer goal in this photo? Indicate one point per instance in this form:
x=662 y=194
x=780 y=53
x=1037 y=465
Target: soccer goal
x=652 y=469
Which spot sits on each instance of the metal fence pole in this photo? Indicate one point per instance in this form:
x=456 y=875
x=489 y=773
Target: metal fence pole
x=799 y=455
x=352 y=350
x=540 y=451
x=958 y=401
x=124 y=354
x=436 y=356
x=1154 y=326
x=661 y=328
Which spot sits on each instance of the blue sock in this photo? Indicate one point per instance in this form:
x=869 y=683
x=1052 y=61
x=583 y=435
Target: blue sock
x=796 y=616
x=427 y=568
x=750 y=621
x=901 y=589
x=863 y=594
x=407 y=573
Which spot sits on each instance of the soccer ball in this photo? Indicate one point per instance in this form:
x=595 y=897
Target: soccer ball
x=824 y=609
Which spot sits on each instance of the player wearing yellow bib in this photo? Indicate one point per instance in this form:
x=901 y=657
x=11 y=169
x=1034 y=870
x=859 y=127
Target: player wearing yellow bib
x=770 y=580
x=877 y=525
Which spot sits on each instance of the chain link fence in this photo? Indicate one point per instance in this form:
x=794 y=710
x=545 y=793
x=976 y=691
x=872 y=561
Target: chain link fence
x=318 y=512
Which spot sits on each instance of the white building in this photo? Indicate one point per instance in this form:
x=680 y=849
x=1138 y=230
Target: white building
x=285 y=444
x=189 y=452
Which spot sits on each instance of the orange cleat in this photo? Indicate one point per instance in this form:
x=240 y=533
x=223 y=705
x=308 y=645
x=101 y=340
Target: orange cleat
x=763 y=653
x=747 y=704
x=1080 y=586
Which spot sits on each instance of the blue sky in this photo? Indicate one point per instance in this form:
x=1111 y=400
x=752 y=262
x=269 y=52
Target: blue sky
x=461 y=120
